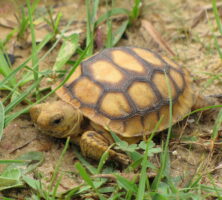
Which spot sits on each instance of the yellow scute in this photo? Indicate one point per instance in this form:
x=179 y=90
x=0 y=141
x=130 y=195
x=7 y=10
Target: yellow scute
x=142 y=94
x=160 y=82
x=76 y=74
x=134 y=127
x=148 y=56
x=105 y=71
x=179 y=109
x=126 y=61
x=150 y=121
x=115 y=104
x=164 y=115
x=116 y=126
x=87 y=91
x=170 y=62
x=177 y=78
x=89 y=112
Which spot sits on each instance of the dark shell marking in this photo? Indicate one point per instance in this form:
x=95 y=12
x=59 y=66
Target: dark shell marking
x=119 y=80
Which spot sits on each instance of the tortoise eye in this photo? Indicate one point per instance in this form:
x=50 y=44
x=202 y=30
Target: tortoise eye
x=57 y=120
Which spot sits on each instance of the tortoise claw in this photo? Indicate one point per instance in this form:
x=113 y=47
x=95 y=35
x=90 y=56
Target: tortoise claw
x=123 y=159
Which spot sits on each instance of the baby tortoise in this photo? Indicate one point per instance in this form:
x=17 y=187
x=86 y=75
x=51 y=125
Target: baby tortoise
x=122 y=89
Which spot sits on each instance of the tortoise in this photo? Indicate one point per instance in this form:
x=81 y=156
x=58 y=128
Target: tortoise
x=122 y=89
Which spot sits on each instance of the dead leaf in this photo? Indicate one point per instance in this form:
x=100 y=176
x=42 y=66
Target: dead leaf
x=156 y=36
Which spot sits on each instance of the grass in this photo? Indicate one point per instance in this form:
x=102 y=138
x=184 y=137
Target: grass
x=35 y=60
x=135 y=12
x=219 y=25
x=92 y=7
x=2 y=119
x=54 y=24
x=162 y=186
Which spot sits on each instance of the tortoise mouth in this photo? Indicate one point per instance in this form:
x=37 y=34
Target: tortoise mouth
x=52 y=133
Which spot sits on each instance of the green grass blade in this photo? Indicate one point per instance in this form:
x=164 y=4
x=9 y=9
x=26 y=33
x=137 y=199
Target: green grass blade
x=23 y=24
x=89 y=34
x=11 y=161
x=143 y=177
x=119 y=33
x=10 y=179
x=31 y=160
x=109 y=39
x=217 y=17
x=143 y=173
x=210 y=189
x=91 y=169
x=5 y=70
x=26 y=77
x=94 y=11
x=170 y=120
x=164 y=155
x=34 y=184
x=55 y=189
x=71 y=193
x=35 y=60
x=2 y=119
x=13 y=73
x=219 y=25
x=126 y=184
x=110 y=13
x=57 y=22
x=136 y=10
x=58 y=164
x=83 y=173
x=45 y=40
x=11 y=176
x=218 y=47
x=202 y=109
x=86 y=177
x=173 y=188
x=217 y=125
x=91 y=10
x=21 y=97
x=67 y=49
x=102 y=161
x=5 y=198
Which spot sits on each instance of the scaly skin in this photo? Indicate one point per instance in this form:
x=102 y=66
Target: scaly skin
x=94 y=144
x=60 y=119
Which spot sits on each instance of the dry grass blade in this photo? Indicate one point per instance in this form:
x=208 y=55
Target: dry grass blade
x=202 y=14
x=129 y=176
x=156 y=36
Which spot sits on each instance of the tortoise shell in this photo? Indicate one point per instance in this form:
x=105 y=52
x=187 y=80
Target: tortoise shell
x=126 y=90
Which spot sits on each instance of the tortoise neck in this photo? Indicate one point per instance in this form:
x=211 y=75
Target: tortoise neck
x=76 y=127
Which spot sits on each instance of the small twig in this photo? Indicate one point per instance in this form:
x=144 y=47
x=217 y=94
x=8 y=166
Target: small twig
x=129 y=176
x=156 y=36
x=202 y=14
x=23 y=145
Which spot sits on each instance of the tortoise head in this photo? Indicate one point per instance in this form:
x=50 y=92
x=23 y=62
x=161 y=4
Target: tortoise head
x=58 y=118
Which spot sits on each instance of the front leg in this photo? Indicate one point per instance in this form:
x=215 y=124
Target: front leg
x=93 y=145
